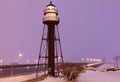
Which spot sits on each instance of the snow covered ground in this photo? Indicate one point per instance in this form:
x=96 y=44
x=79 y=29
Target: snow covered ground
x=17 y=78
x=98 y=76
x=91 y=76
x=88 y=76
x=51 y=79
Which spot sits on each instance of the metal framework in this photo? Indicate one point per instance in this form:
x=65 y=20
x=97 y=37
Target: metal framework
x=43 y=53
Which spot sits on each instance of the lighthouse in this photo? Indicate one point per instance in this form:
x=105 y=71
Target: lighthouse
x=50 y=15
x=50 y=49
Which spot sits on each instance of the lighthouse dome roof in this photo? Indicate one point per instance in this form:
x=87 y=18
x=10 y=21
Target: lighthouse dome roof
x=51 y=4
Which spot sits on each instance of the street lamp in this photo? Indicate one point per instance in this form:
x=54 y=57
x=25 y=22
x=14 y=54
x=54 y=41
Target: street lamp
x=12 y=63
x=1 y=69
x=36 y=61
x=28 y=63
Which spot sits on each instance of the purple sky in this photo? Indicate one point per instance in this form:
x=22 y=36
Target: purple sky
x=88 y=28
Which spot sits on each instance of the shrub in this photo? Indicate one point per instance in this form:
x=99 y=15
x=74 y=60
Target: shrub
x=71 y=71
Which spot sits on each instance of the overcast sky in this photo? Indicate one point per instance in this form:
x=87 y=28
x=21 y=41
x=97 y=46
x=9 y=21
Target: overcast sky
x=88 y=28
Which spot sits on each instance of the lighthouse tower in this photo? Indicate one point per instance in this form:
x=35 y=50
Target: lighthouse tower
x=50 y=54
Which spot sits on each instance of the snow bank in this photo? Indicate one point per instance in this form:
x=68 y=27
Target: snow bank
x=88 y=76
x=97 y=76
x=91 y=76
x=17 y=78
x=52 y=79
x=107 y=66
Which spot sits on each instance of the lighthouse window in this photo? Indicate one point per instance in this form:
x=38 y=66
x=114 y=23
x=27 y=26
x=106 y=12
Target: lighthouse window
x=48 y=8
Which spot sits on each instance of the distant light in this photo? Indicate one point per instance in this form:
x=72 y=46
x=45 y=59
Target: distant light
x=27 y=67
x=59 y=57
x=82 y=59
x=91 y=59
x=43 y=65
x=28 y=61
x=97 y=60
x=87 y=59
x=1 y=69
x=20 y=54
x=1 y=61
x=36 y=66
x=36 y=61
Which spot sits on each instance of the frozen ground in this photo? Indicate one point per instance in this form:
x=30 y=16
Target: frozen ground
x=98 y=76
x=91 y=76
x=17 y=78
x=88 y=76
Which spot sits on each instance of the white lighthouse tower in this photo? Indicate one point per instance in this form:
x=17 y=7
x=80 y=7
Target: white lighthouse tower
x=50 y=48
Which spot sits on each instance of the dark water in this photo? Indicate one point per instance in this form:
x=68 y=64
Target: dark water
x=18 y=70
